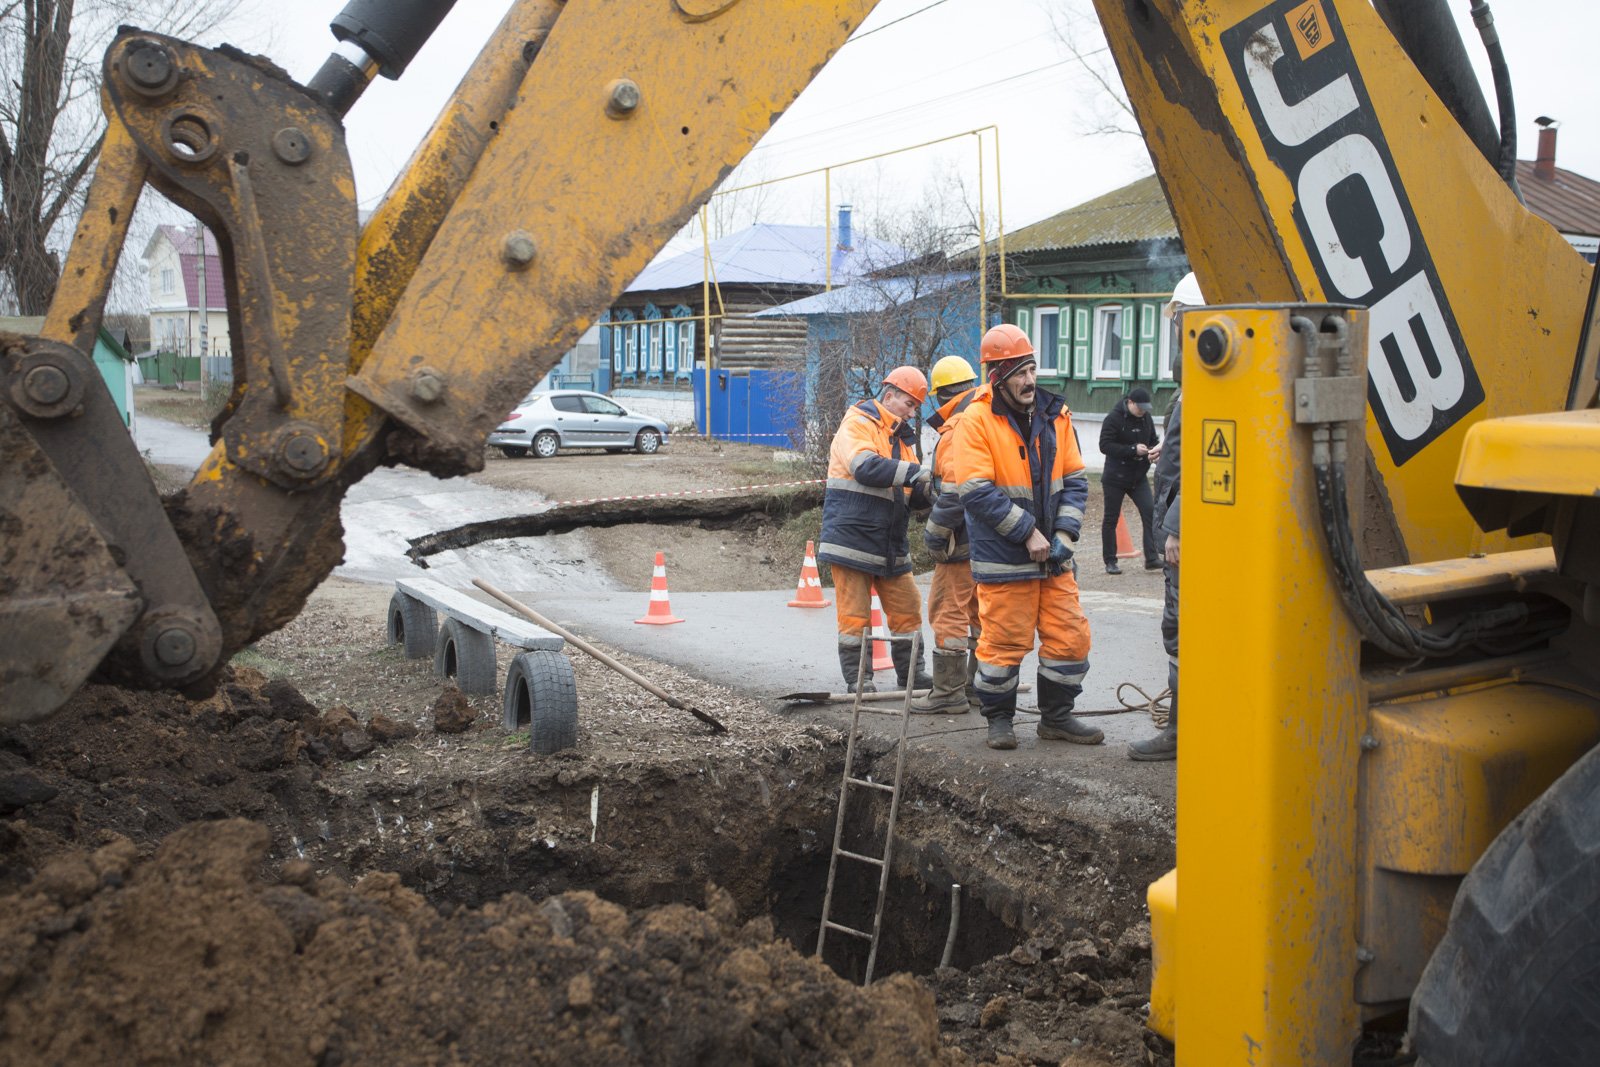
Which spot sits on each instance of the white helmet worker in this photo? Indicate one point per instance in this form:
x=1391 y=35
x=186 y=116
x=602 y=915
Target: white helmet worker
x=1186 y=294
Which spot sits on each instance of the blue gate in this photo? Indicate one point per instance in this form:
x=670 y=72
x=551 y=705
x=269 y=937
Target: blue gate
x=757 y=407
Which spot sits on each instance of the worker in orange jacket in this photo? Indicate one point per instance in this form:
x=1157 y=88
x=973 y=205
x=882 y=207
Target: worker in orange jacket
x=1023 y=490
x=952 y=599
x=874 y=482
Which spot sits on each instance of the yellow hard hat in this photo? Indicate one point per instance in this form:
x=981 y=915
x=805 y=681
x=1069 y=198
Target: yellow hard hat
x=951 y=370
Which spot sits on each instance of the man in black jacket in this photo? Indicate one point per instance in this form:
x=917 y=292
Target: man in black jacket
x=1129 y=442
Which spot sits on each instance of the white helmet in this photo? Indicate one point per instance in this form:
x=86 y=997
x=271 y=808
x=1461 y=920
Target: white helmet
x=1187 y=292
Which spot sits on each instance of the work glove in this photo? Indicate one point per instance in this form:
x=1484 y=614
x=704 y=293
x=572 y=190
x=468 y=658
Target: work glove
x=1060 y=559
x=940 y=542
x=922 y=488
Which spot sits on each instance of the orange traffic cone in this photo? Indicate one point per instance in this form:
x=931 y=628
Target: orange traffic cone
x=660 y=611
x=881 y=660
x=809 y=592
x=1125 y=549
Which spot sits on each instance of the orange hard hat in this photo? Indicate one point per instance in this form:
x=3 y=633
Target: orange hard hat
x=1004 y=341
x=909 y=380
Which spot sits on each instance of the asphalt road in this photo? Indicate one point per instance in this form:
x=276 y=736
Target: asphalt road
x=750 y=641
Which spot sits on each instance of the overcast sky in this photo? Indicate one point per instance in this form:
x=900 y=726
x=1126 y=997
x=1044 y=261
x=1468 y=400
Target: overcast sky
x=951 y=66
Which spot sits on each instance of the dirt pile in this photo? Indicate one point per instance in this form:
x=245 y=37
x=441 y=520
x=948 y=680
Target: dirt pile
x=140 y=765
x=190 y=957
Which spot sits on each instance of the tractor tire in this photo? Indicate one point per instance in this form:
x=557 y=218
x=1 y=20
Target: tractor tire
x=1514 y=982
x=542 y=694
x=467 y=655
x=412 y=624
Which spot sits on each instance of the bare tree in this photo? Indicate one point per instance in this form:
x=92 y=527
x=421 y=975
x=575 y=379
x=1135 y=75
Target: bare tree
x=51 y=125
x=907 y=305
x=1077 y=30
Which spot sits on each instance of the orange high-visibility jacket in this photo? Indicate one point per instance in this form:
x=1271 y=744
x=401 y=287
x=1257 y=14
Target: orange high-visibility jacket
x=1010 y=487
x=865 y=509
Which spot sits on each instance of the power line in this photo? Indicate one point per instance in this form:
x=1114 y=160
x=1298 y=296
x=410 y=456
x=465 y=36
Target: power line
x=919 y=104
x=893 y=22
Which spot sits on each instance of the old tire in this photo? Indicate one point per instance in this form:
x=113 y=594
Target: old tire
x=546 y=444
x=648 y=442
x=467 y=656
x=412 y=624
x=513 y=451
x=542 y=694
x=1514 y=981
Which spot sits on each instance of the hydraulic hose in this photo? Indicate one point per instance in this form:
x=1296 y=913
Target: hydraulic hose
x=1382 y=624
x=1484 y=20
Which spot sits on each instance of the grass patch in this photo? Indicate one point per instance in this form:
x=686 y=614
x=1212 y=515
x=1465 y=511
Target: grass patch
x=272 y=668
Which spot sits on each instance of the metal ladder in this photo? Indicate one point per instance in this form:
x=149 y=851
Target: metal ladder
x=882 y=863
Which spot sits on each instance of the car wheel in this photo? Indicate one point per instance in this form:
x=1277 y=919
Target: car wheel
x=647 y=442
x=514 y=451
x=545 y=444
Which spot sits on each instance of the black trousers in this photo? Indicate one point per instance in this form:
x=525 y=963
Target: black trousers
x=1142 y=499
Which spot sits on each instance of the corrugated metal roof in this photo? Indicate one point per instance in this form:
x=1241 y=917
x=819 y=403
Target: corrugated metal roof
x=1569 y=202
x=864 y=297
x=183 y=240
x=768 y=254
x=1136 y=212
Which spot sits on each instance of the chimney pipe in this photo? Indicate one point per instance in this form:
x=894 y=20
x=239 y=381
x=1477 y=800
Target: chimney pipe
x=1544 y=167
x=844 y=228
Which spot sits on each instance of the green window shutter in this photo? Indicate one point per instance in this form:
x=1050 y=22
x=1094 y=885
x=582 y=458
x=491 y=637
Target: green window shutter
x=1130 y=331
x=1148 y=338
x=1064 y=340
x=1081 y=319
x=1025 y=320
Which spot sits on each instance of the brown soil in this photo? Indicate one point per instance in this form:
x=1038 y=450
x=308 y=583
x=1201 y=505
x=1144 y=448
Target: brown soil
x=141 y=922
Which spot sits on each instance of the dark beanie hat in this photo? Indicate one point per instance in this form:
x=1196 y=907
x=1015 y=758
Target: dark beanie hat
x=1139 y=395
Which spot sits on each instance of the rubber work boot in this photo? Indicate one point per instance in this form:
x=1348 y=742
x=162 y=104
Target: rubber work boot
x=948 y=695
x=1000 y=733
x=900 y=652
x=1056 y=721
x=850 y=663
x=1163 y=746
x=972 y=675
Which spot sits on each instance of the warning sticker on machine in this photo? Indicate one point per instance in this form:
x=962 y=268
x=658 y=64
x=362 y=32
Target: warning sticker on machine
x=1218 y=471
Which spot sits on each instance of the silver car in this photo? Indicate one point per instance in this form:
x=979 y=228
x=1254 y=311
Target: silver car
x=545 y=423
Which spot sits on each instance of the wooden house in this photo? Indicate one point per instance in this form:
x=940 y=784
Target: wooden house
x=1087 y=285
x=656 y=333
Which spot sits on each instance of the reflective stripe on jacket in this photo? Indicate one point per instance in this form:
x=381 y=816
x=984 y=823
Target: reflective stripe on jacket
x=946 y=531
x=1010 y=487
x=865 y=509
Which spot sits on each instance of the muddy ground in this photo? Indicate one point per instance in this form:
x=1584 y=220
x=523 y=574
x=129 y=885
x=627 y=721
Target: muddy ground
x=303 y=869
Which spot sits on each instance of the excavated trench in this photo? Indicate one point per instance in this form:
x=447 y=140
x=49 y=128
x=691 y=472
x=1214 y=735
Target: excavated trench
x=124 y=800
x=764 y=835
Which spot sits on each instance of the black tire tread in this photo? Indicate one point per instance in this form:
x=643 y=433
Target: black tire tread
x=552 y=692
x=413 y=624
x=476 y=673
x=1516 y=981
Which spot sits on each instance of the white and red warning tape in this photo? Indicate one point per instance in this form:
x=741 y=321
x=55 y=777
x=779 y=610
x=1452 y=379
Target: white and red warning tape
x=685 y=492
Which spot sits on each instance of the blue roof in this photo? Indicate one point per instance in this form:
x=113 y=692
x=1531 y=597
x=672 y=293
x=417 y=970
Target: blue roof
x=878 y=294
x=768 y=254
